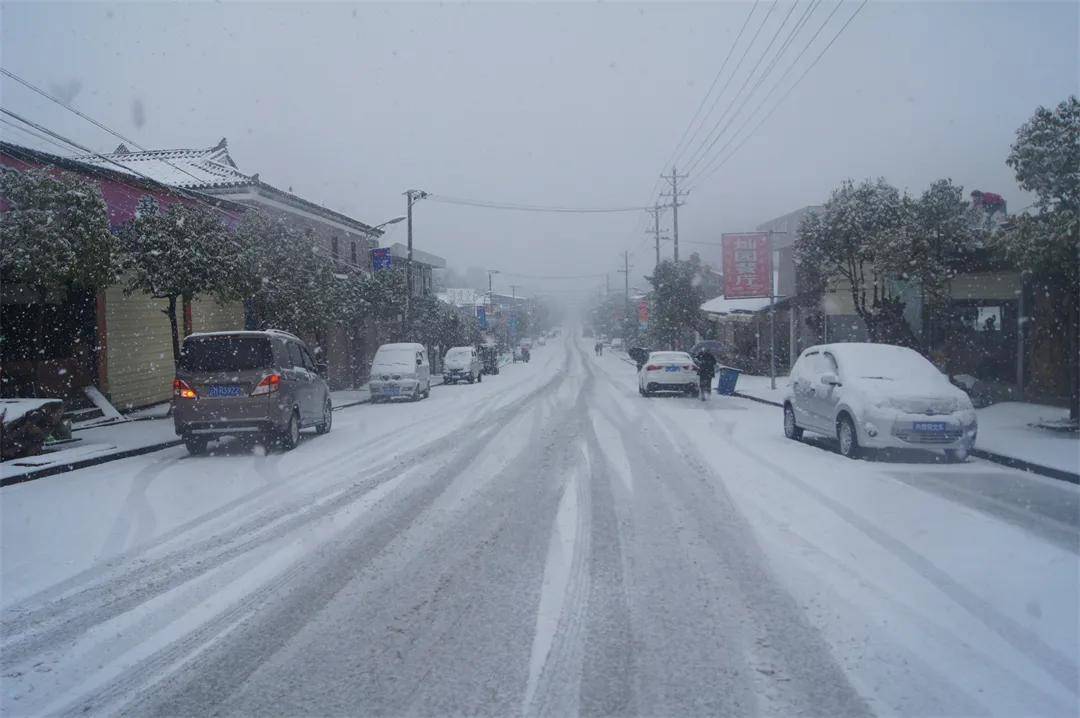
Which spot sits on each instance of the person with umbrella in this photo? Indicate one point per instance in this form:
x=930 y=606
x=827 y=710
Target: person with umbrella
x=706 y=366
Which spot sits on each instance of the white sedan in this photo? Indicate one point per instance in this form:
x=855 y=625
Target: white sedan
x=877 y=396
x=668 y=372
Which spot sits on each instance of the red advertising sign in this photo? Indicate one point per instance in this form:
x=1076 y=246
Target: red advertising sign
x=643 y=311
x=747 y=265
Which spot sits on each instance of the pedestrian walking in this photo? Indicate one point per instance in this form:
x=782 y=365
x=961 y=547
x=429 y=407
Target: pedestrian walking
x=599 y=349
x=706 y=365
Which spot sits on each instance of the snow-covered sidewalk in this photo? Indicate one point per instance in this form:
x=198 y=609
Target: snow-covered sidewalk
x=1005 y=429
x=139 y=432
x=1009 y=429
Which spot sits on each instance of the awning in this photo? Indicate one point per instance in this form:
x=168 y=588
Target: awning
x=722 y=305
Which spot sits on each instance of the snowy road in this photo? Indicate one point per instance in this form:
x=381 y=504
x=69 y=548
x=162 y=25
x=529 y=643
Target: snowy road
x=546 y=542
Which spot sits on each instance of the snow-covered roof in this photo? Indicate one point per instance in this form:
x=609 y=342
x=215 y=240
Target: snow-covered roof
x=192 y=169
x=722 y=305
x=402 y=252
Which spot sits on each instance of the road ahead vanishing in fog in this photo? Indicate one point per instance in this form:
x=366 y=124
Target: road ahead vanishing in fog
x=545 y=542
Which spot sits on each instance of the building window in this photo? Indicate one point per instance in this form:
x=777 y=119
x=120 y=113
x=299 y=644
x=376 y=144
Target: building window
x=334 y=248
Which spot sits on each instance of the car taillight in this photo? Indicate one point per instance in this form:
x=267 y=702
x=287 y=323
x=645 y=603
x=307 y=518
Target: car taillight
x=180 y=388
x=269 y=384
x=652 y=367
x=693 y=367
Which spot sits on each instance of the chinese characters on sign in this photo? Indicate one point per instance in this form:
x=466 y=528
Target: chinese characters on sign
x=381 y=259
x=747 y=265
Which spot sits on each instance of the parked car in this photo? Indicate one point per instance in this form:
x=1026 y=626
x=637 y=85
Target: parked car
x=400 y=371
x=248 y=383
x=616 y=343
x=461 y=364
x=877 y=396
x=668 y=372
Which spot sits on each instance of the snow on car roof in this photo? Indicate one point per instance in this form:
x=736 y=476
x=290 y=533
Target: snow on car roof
x=861 y=359
x=670 y=355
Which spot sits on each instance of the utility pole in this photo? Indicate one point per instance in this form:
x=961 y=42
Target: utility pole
x=607 y=284
x=655 y=231
x=411 y=196
x=626 y=288
x=673 y=180
x=512 y=320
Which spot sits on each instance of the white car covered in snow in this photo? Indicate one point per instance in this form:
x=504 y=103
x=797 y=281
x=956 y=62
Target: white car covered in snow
x=668 y=371
x=877 y=396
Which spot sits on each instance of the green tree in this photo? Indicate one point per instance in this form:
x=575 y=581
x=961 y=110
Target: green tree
x=1046 y=158
x=676 y=304
x=54 y=236
x=179 y=254
x=289 y=283
x=861 y=235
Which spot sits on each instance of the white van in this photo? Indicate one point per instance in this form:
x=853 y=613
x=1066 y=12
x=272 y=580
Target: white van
x=400 y=371
x=461 y=364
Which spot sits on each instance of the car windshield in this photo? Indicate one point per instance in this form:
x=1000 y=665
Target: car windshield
x=226 y=353
x=886 y=363
x=396 y=357
x=648 y=358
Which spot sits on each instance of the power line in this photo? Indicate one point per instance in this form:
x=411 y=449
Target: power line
x=553 y=276
x=91 y=120
x=513 y=207
x=697 y=157
x=716 y=79
x=792 y=34
x=795 y=84
x=735 y=71
x=794 y=63
x=36 y=135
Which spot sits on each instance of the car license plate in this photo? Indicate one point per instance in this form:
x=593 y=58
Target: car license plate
x=391 y=390
x=222 y=390
x=929 y=427
x=671 y=368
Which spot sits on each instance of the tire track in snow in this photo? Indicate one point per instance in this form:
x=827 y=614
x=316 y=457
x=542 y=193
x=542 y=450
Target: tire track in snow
x=43 y=628
x=1054 y=663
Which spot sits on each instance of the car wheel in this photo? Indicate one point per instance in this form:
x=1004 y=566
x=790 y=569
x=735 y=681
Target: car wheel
x=791 y=429
x=849 y=440
x=196 y=445
x=956 y=456
x=328 y=418
x=290 y=437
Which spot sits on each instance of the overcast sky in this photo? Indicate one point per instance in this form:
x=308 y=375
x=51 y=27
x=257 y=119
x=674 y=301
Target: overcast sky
x=550 y=104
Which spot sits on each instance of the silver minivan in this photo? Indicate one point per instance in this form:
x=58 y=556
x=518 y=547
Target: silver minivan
x=400 y=371
x=461 y=364
x=263 y=384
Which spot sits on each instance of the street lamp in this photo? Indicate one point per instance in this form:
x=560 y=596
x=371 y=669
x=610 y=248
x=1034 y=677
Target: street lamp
x=388 y=222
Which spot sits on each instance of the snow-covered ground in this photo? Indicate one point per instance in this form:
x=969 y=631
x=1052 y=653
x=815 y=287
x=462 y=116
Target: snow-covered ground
x=1008 y=429
x=544 y=542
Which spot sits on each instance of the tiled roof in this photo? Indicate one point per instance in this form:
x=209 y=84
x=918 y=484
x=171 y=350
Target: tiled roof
x=191 y=169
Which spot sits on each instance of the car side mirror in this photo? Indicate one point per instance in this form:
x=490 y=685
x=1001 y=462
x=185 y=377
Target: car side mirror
x=321 y=368
x=830 y=380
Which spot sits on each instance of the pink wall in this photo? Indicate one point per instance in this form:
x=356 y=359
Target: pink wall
x=121 y=199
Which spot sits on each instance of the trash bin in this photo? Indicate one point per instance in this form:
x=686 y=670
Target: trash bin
x=728 y=377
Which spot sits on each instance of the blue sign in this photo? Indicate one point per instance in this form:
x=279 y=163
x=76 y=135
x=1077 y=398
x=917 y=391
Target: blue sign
x=481 y=317
x=381 y=258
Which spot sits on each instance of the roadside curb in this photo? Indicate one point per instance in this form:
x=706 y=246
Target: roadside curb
x=128 y=453
x=1009 y=461
x=85 y=463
